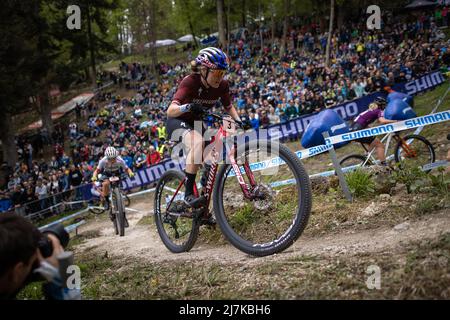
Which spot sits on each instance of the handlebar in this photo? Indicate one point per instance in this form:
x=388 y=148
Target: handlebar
x=220 y=118
x=120 y=176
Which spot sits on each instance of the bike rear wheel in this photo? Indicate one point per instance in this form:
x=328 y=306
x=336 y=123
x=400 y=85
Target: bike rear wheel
x=178 y=230
x=416 y=150
x=96 y=207
x=119 y=211
x=354 y=160
x=126 y=200
x=272 y=222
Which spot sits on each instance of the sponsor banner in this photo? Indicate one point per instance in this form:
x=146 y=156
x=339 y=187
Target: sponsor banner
x=151 y=174
x=434 y=165
x=295 y=128
x=350 y=109
x=392 y=127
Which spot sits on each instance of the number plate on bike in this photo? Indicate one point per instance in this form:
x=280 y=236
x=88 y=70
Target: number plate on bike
x=114 y=179
x=228 y=125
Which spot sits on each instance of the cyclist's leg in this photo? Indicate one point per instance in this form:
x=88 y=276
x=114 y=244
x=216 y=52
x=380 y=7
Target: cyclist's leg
x=190 y=135
x=105 y=193
x=379 y=149
x=194 y=142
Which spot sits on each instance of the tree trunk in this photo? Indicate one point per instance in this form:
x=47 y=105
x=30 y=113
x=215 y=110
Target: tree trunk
x=285 y=28
x=46 y=113
x=221 y=23
x=244 y=20
x=260 y=26
x=191 y=27
x=7 y=137
x=152 y=34
x=272 y=20
x=228 y=26
x=91 y=47
x=341 y=15
x=330 y=31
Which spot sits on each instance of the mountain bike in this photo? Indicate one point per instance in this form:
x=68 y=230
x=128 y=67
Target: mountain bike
x=260 y=193
x=96 y=205
x=410 y=148
x=117 y=205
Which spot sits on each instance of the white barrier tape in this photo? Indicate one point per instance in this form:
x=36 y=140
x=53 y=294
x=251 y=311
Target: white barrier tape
x=392 y=127
x=434 y=165
x=74 y=226
x=96 y=207
x=74 y=202
x=277 y=161
x=41 y=211
x=332 y=172
x=64 y=219
x=140 y=193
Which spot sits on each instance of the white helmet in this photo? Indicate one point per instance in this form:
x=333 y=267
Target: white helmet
x=111 y=153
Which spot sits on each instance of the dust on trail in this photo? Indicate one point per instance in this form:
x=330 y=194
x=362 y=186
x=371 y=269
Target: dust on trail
x=142 y=242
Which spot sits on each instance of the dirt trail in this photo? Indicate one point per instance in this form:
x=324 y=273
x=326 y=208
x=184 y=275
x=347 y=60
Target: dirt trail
x=142 y=241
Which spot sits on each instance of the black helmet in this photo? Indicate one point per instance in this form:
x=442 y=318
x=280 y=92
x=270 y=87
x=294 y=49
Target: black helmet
x=380 y=101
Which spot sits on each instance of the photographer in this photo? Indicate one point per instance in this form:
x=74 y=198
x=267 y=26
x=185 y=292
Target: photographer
x=26 y=253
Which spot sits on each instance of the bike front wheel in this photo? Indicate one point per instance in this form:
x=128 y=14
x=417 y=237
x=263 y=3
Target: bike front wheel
x=280 y=207
x=416 y=150
x=119 y=211
x=97 y=207
x=355 y=160
x=176 y=227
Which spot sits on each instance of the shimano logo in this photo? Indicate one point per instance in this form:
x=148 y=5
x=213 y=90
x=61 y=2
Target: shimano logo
x=368 y=132
x=430 y=119
x=337 y=127
x=319 y=149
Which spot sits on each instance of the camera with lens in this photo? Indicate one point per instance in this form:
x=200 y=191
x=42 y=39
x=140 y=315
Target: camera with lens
x=45 y=245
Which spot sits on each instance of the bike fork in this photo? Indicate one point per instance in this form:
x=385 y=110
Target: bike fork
x=410 y=152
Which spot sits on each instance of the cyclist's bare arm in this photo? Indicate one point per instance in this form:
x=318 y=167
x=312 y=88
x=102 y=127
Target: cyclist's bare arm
x=383 y=120
x=232 y=112
x=174 y=110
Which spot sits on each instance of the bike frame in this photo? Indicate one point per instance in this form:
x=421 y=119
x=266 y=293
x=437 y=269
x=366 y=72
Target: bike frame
x=217 y=142
x=388 y=137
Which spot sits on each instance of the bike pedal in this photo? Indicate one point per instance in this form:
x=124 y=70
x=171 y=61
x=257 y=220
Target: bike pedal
x=197 y=202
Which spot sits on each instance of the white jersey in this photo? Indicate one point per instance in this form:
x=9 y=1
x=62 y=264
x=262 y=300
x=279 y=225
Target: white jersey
x=109 y=166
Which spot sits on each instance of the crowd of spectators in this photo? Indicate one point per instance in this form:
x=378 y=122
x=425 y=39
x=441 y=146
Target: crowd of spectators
x=266 y=89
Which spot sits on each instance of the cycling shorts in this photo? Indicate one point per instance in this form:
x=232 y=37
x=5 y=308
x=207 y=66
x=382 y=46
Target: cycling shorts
x=177 y=128
x=355 y=127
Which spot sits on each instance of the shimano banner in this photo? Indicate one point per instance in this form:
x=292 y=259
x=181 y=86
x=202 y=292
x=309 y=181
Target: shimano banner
x=151 y=174
x=351 y=109
x=295 y=127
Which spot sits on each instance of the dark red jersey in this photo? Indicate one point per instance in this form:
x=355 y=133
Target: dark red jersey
x=192 y=90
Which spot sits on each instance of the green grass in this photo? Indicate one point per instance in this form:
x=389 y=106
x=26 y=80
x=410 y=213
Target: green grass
x=425 y=102
x=243 y=217
x=423 y=274
x=360 y=183
x=145 y=58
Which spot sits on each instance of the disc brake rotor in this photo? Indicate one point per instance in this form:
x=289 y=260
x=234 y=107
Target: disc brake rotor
x=264 y=197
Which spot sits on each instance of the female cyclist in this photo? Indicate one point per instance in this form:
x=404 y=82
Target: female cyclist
x=197 y=93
